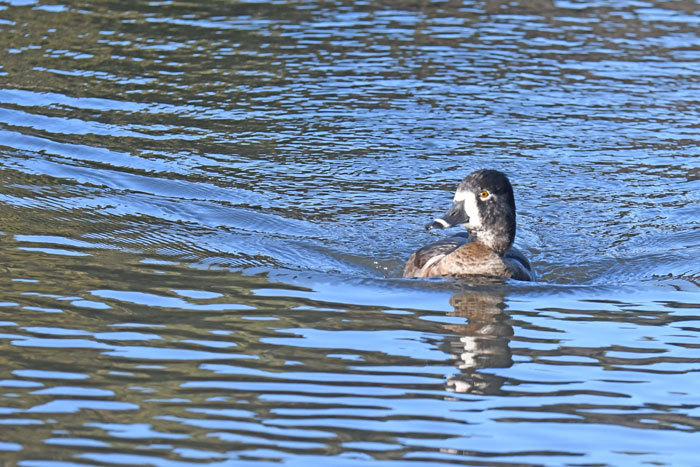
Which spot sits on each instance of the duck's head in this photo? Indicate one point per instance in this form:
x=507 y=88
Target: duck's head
x=485 y=205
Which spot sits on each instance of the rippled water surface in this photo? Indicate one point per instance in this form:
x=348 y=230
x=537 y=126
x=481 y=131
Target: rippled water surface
x=206 y=207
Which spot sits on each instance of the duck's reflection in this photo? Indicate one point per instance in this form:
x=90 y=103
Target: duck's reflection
x=480 y=344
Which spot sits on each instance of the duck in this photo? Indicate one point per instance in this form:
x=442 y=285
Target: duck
x=485 y=205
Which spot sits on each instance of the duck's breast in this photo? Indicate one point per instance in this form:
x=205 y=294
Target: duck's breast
x=469 y=260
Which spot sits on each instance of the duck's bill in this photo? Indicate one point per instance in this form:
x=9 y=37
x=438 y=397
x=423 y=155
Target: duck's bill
x=455 y=216
x=438 y=223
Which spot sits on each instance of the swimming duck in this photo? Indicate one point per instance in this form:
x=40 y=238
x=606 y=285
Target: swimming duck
x=485 y=205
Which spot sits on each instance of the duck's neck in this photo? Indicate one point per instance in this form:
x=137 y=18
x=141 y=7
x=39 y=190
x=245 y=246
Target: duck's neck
x=496 y=240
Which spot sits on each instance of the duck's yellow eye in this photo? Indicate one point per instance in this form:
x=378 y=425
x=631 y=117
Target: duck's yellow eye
x=484 y=194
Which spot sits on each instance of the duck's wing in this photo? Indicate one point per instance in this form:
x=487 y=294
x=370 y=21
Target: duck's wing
x=518 y=265
x=428 y=255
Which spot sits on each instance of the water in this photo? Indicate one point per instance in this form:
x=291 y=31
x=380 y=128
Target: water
x=206 y=208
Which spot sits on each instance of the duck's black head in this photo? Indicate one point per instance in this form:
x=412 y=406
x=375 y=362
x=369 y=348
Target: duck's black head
x=485 y=205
